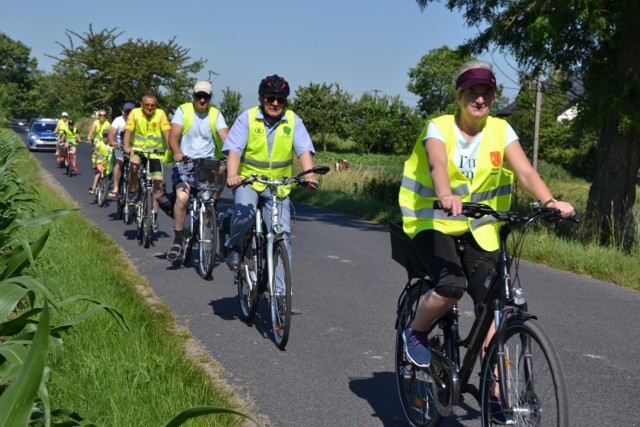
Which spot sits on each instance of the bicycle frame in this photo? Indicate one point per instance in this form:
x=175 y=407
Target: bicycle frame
x=274 y=234
x=250 y=279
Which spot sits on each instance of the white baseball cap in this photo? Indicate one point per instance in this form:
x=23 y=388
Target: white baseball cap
x=203 y=86
x=64 y=114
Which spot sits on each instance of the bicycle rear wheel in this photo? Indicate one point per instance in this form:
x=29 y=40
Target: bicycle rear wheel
x=123 y=191
x=187 y=237
x=247 y=280
x=207 y=242
x=281 y=301
x=416 y=388
x=536 y=391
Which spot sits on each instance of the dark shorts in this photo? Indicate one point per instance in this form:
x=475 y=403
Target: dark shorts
x=439 y=255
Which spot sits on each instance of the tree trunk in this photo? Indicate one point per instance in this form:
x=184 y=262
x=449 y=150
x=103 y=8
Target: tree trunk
x=613 y=193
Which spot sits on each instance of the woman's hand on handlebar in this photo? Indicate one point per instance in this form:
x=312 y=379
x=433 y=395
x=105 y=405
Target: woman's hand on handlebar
x=565 y=208
x=234 y=181
x=451 y=204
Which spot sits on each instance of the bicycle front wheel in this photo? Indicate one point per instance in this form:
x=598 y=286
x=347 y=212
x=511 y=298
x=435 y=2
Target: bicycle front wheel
x=247 y=280
x=207 y=241
x=101 y=190
x=534 y=381
x=416 y=388
x=281 y=298
x=147 y=217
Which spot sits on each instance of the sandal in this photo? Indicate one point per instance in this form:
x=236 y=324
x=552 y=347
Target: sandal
x=92 y=191
x=175 y=252
x=113 y=194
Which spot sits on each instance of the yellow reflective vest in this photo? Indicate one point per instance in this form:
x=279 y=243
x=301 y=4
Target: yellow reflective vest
x=491 y=185
x=71 y=135
x=255 y=158
x=99 y=128
x=147 y=132
x=189 y=113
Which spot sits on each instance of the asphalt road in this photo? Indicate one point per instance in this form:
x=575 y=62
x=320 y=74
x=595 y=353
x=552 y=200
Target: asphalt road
x=338 y=368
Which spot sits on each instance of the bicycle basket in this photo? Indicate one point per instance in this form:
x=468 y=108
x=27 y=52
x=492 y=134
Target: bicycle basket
x=402 y=250
x=209 y=174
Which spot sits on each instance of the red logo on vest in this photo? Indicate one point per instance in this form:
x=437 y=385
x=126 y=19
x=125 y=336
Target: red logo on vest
x=496 y=159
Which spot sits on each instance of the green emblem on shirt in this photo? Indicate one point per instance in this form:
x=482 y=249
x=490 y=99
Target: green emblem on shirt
x=287 y=130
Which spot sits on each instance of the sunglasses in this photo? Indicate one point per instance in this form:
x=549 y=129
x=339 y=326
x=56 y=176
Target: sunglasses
x=149 y=105
x=102 y=115
x=201 y=95
x=270 y=99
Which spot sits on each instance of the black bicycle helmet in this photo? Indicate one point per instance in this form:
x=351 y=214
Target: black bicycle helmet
x=71 y=123
x=274 y=84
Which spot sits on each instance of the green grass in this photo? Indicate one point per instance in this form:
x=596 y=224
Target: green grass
x=140 y=377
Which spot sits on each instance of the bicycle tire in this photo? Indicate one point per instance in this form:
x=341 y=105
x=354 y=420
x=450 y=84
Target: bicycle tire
x=207 y=239
x=67 y=163
x=528 y=354
x=280 y=303
x=415 y=386
x=147 y=217
x=187 y=240
x=247 y=294
x=123 y=189
x=101 y=190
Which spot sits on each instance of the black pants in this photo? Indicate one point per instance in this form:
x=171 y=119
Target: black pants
x=449 y=269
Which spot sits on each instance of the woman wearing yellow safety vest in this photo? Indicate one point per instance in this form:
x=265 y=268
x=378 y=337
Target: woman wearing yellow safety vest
x=458 y=159
x=262 y=141
x=96 y=131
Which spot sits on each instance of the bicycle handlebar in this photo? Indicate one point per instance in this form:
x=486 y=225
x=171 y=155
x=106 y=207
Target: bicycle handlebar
x=478 y=210
x=298 y=179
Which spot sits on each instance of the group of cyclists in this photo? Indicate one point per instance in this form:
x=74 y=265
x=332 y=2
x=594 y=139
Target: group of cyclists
x=457 y=158
x=262 y=140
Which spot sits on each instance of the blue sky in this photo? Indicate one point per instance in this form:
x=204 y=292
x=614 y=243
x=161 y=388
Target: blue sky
x=363 y=45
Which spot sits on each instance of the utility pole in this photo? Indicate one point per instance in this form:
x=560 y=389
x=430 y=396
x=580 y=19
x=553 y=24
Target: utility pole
x=211 y=72
x=536 y=121
x=375 y=93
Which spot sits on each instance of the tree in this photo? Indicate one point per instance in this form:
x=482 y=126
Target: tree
x=383 y=124
x=323 y=108
x=597 y=40
x=107 y=73
x=230 y=105
x=433 y=80
x=18 y=74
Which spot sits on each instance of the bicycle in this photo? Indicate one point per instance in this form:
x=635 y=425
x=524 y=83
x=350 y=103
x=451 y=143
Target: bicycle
x=201 y=223
x=144 y=206
x=254 y=279
x=520 y=360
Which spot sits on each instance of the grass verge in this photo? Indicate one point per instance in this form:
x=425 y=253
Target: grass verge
x=141 y=377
